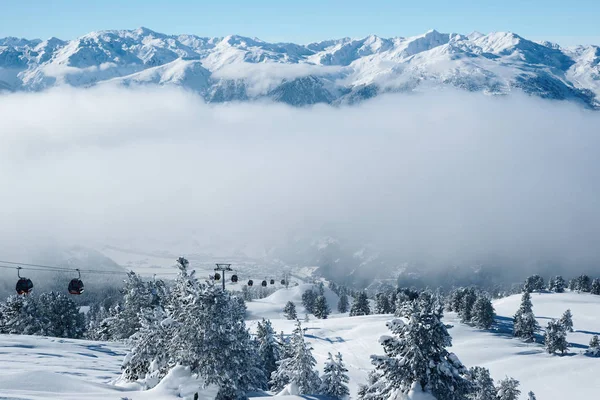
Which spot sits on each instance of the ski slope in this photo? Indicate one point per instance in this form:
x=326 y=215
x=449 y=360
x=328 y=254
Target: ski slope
x=35 y=368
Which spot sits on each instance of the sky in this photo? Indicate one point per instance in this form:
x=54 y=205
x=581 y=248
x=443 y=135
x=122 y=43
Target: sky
x=565 y=22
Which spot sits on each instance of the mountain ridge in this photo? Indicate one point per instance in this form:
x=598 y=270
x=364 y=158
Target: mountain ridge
x=336 y=71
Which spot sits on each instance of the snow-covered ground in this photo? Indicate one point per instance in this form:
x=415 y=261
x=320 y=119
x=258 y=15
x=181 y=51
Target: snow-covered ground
x=35 y=368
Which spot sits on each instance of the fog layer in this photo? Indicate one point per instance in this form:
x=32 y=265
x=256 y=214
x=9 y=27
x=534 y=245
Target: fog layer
x=440 y=177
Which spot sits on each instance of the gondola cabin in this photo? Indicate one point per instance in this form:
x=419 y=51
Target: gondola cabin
x=24 y=286
x=272 y=281
x=217 y=276
x=264 y=283
x=234 y=278
x=250 y=282
x=76 y=286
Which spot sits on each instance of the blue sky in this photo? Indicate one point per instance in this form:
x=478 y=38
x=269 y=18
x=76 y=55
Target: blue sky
x=566 y=22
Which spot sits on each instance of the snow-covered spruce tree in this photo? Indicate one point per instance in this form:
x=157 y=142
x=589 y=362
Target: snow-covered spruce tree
x=573 y=284
x=308 y=301
x=343 y=303
x=525 y=324
x=466 y=305
x=567 y=320
x=483 y=384
x=508 y=389
x=483 y=313
x=269 y=350
x=321 y=309
x=360 y=306
x=416 y=359
x=555 y=338
x=594 y=349
x=531 y=396
x=584 y=283
x=595 y=286
x=137 y=296
x=59 y=316
x=454 y=301
x=534 y=283
x=558 y=284
x=392 y=302
x=290 y=310
x=382 y=304
x=20 y=316
x=298 y=369
x=334 y=382
x=149 y=356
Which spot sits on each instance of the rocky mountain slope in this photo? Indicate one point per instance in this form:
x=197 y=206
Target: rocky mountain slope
x=343 y=71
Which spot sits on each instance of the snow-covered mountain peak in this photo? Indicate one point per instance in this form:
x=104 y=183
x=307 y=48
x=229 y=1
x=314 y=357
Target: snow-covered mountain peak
x=337 y=71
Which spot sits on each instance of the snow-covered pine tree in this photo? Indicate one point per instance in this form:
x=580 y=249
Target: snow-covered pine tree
x=20 y=316
x=555 y=338
x=559 y=284
x=60 y=316
x=321 y=308
x=525 y=324
x=594 y=349
x=343 y=303
x=290 y=310
x=298 y=369
x=483 y=313
x=269 y=350
x=392 y=302
x=573 y=284
x=531 y=396
x=584 y=283
x=567 y=320
x=308 y=301
x=508 y=389
x=334 y=382
x=483 y=383
x=382 y=305
x=466 y=305
x=595 y=286
x=360 y=306
x=534 y=283
x=137 y=296
x=416 y=357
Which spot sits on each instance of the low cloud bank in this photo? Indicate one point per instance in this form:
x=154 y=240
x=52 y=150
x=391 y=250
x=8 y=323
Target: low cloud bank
x=440 y=177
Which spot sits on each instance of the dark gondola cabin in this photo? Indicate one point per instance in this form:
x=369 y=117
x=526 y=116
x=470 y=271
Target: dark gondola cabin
x=283 y=281
x=234 y=278
x=264 y=283
x=76 y=286
x=217 y=276
x=272 y=281
x=24 y=286
x=250 y=282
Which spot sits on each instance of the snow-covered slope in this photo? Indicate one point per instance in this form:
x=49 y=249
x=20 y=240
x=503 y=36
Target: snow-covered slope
x=343 y=71
x=47 y=368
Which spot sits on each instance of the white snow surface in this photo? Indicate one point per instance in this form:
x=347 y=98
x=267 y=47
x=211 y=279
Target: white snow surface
x=35 y=368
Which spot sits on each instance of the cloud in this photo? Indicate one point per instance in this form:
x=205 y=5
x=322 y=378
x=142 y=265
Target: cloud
x=439 y=177
x=262 y=77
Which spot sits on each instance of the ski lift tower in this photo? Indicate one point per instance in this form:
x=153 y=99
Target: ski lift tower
x=223 y=268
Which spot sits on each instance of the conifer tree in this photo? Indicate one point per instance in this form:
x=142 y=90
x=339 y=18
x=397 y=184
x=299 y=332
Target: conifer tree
x=308 y=301
x=298 y=369
x=484 y=388
x=483 y=313
x=137 y=296
x=360 y=306
x=269 y=350
x=382 y=305
x=531 y=396
x=465 y=309
x=594 y=349
x=321 y=308
x=343 y=303
x=290 y=310
x=60 y=316
x=508 y=389
x=416 y=354
x=567 y=320
x=595 y=286
x=558 y=284
x=334 y=382
x=584 y=283
x=534 y=283
x=555 y=338
x=525 y=324
x=392 y=302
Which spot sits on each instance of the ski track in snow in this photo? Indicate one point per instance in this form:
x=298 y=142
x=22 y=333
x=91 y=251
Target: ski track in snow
x=36 y=368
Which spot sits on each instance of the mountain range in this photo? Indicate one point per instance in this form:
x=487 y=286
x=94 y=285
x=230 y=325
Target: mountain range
x=340 y=71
